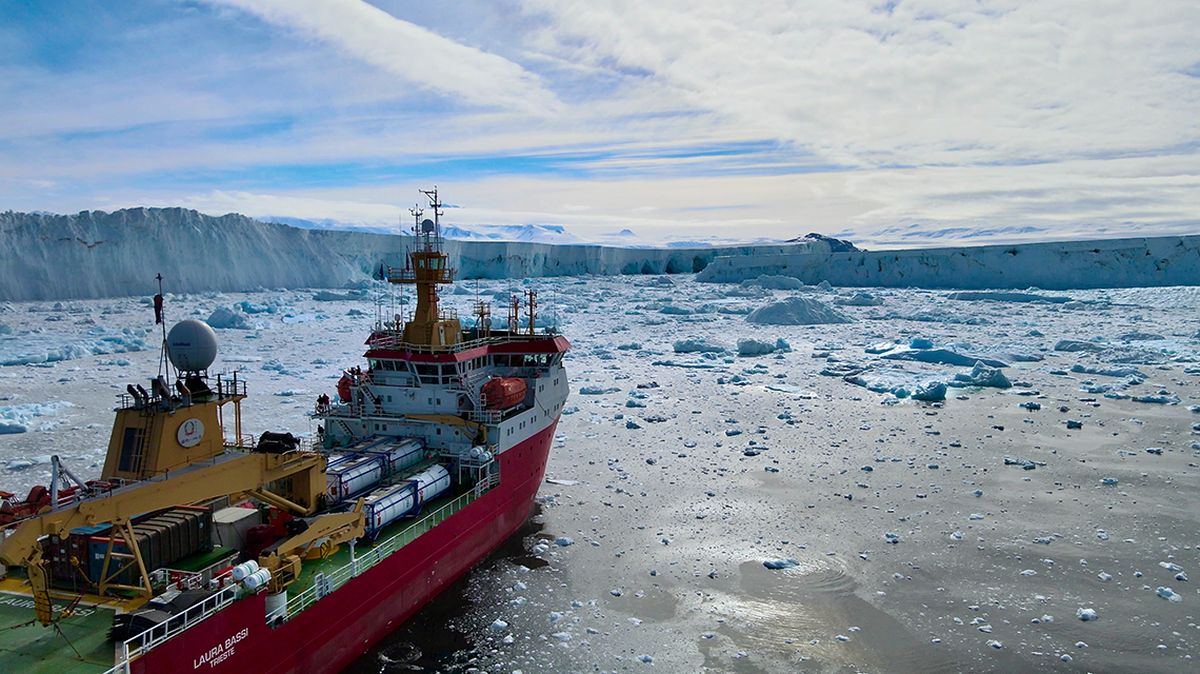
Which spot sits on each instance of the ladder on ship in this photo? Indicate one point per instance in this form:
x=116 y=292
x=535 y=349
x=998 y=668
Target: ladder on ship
x=473 y=383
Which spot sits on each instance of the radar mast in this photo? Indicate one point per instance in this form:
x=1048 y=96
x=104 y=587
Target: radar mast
x=428 y=267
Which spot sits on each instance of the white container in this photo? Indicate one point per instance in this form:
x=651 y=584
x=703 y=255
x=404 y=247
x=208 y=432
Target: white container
x=402 y=455
x=241 y=571
x=350 y=478
x=386 y=505
x=230 y=526
x=257 y=579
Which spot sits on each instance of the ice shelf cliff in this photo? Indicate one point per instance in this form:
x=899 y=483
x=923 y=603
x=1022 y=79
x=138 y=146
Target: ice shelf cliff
x=99 y=254
x=1111 y=263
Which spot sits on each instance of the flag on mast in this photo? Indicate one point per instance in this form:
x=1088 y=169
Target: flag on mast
x=158 y=302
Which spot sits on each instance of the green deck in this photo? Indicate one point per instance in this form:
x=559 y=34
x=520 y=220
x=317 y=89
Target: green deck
x=312 y=567
x=27 y=646
x=432 y=513
x=203 y=560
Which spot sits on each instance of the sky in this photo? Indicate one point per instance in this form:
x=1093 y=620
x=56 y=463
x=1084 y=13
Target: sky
x=890 y=122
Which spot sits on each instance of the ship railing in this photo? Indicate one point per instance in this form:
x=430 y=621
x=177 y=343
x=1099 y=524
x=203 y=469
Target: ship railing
x=394 y=339
x=224 y=388
x=409 y=275
x=245 y=441
x=380 y=551
x=184 y=580
x=176 y=624
x=484 y=416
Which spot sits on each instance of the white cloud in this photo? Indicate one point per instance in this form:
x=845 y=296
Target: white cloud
x=938 y=117
x=931 y=81
x=411 y=52
x=880 y=207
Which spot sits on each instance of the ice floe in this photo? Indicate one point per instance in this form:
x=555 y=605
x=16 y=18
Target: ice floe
x=797 y=310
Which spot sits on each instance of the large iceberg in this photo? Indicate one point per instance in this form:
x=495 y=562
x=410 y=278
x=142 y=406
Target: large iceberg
x=118 y=253
x=1112 y=263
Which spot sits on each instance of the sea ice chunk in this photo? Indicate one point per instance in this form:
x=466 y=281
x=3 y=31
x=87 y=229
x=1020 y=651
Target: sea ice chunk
x=797 y=311
x=981 y=375
x=224 y=318
x=1168 y=594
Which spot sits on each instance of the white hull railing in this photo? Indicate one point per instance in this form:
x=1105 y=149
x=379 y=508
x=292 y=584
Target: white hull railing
x=360 y=564
x=176 y=624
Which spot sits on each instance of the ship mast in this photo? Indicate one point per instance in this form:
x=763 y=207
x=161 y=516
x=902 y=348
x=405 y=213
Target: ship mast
x=428 y=268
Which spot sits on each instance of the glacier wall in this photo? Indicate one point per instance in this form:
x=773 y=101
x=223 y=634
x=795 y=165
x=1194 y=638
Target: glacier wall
x=99 y=254
x=1113 y=263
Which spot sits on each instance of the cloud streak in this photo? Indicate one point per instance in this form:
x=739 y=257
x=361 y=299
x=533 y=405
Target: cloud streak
x=414 y=54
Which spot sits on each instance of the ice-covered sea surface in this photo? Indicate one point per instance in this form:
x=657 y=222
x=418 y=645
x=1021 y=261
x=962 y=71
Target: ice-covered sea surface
x=941 y=482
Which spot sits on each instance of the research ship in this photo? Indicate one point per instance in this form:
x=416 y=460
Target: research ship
x=203 y=549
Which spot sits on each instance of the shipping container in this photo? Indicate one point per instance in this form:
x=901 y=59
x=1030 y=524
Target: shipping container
x=162 y=538
x=68 y=554
x=230 y=526
x=388 y=504
x=398 y=455
x=351 y=478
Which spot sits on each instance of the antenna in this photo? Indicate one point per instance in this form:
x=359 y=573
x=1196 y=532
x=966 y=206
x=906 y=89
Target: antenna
x=160 y=319
x=514 y=315
x=435 y=204
x=531 y=294
x=417 y=212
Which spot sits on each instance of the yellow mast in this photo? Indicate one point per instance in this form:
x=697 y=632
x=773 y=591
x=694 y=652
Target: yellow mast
x=427 y=267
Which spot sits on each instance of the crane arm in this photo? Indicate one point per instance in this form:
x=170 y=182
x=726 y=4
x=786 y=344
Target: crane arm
x=452 y=420
x=284 y=561
x=194 y=483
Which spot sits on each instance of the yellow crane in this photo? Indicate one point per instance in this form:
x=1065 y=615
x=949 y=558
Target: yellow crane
x=300 y=475
x=320 y=539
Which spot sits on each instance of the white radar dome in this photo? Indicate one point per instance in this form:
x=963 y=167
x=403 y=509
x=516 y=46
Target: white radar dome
x=192 y=345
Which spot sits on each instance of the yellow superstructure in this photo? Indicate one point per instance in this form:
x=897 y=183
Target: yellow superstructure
x=427 y=267
x=167 y=450
x=160 y=434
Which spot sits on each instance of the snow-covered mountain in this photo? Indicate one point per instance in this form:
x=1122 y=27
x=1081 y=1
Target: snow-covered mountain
x=100 y=254
x=534 y=233
x=553 y=234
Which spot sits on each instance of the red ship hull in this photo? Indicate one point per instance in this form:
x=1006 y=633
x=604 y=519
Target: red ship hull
x=339 y=628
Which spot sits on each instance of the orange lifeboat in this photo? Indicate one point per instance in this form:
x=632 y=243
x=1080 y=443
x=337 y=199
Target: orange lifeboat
x=343 y=388
x=502 y=392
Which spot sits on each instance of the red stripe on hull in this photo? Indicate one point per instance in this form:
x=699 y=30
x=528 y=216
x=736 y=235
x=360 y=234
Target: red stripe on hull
x=336 y=630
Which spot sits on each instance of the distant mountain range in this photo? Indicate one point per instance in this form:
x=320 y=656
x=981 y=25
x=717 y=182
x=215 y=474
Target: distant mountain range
x=531 y=233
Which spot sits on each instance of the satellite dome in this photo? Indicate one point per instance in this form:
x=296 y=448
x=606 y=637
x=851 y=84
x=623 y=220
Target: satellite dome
x=192 y=345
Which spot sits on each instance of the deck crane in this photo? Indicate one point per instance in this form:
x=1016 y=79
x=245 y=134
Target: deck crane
x=227 y=474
